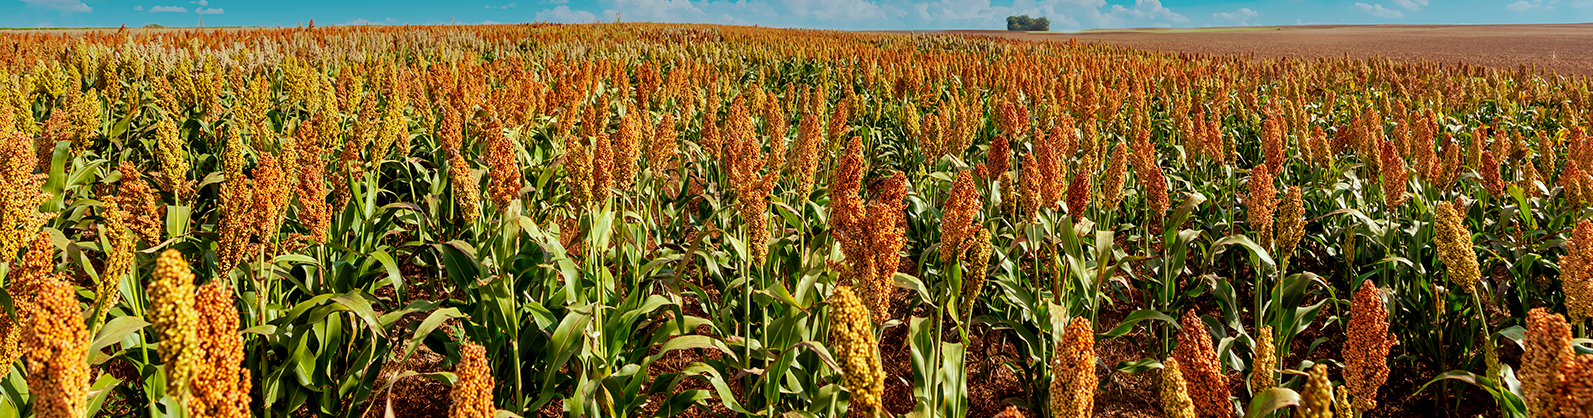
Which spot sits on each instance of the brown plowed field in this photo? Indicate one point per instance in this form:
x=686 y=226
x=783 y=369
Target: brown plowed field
x=1565 y=48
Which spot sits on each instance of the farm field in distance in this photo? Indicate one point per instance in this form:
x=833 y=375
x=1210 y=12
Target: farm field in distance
x=1567 y=49
x=640 y=219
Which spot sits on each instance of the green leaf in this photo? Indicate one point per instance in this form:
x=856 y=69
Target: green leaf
x=1127 y=325
x=1137 y=366
x=1271 y=400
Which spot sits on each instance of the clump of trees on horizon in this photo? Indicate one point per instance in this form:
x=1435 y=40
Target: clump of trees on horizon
x=1024 y=23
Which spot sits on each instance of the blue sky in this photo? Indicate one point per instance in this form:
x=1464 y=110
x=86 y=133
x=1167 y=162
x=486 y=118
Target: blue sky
x=836 y=14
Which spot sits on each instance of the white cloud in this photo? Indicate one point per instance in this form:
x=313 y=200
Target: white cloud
x=563 y=14
x=1379 y=11
x=138 y=8
x=1412 y=5
x=200 y=2
x=210 y=11
x=1534 y=5
x=168 y=9
x=63 y=6
x=1243 y=15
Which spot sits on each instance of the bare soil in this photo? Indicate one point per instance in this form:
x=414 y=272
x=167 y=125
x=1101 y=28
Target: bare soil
x=1566 y=49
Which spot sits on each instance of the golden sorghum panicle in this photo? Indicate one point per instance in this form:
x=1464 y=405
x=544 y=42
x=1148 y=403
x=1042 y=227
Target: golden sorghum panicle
x=83 y=119
x=578 y=171
x=1316 y=398
x=221 y=384
x=1394 y=176
x=21 y=194
x=1207 y=385
x=1455 y=247
x=175 y=319
x=974 y=281
x=1112 y=181
x=1261 y=204
x=174 y=164
x=232 y=162
x=1491 y=181
x=602 y=168
x=1052 y=180
x=394 y=130
x=118 y=258
x=467 y=193
x=504 y=167
x=1175 y=391
x=1341 y=403
x=753 y=203
x=1548 y=346
x=1264 y=363
x=957 y=224
x=58 y=369
x=852 y=342
x=1290 y=226
x=1576 y=272
x=1575 y=394
x=1073 y=371
x=472 y=393
x=1366 y=350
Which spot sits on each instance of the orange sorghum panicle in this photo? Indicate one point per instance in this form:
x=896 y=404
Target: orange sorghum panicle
x=806 y=156
x=135 y=197
x=578 y=171
x=1261 y=204
x=1576 y=272
x=627 y=150
x=58 y=372
x=1207 y=385
x=1112 y=181
x=175 y=319
x=602 y=167
x=1073 y=372
x=1394 y=176
x=221 y=384
x=1548 y=346
x=1575 y=394
x=1491 y=181
x=472 y=393
x=957 y=222
x=852 y=339
x=1366 y=350
x=504 y=166
x=662 y=150
x=24 y=281
x=1079 y=194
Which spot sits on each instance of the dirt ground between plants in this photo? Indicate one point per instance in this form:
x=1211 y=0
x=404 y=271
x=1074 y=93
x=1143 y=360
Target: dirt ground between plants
x=1565 y=48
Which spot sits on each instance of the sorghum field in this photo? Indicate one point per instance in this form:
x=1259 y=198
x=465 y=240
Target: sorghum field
x=625 y=220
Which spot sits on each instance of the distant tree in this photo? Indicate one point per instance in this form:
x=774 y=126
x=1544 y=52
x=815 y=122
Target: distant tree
x=1025 y=23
